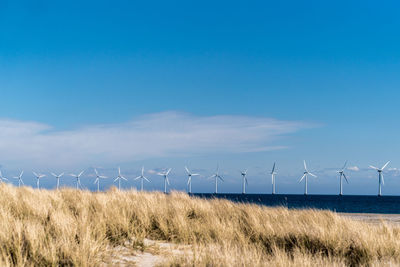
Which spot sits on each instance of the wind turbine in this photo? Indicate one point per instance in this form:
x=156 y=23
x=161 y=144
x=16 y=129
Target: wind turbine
x=166 y=180
x=342 y=175
x=216 y=176
x=244 y=176
x=2 y=178
x=119 y=177
x=190 y=175
x=98 y=177
x=142 y=178
x=58 y=178
x=38 y=177
x=380 y=175
x=78 y=179
x=273 y=174
x=306 y=173
x=20 y=179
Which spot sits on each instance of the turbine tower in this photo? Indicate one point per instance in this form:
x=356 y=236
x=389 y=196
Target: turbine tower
x=306 y=173
x=342 y=175
x=216 y=176
x=244 y=177
x=98 y=177
x=142 y=178
x=119 y=177
x=20 y=179
x=273 y=175
x=166 y=180
x=380 y=175
x=78 y=179
x=2 y=178
x=189 y=182
x=58 y=178
x=38 y=177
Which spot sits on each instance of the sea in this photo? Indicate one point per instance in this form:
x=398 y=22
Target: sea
x=344 y=203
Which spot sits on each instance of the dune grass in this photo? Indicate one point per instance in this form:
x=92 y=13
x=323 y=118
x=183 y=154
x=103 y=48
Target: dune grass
x=78 y=228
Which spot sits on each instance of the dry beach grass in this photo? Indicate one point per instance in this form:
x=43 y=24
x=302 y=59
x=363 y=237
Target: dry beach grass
x=81 y=228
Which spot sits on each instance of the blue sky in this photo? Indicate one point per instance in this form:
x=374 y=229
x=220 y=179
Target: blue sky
x=165 y=84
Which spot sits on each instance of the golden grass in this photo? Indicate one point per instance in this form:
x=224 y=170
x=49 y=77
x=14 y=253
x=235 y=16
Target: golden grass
x=78 y=228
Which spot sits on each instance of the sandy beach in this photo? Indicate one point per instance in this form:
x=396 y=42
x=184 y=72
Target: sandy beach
x=374 y=218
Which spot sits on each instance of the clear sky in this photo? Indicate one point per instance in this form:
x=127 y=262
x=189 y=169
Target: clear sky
x=169 y=83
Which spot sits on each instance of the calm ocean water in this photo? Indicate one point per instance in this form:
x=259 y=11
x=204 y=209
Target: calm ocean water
x=351 y=204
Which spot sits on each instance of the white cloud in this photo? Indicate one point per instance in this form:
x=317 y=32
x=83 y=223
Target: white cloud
x=353 y=168
x=155 y=135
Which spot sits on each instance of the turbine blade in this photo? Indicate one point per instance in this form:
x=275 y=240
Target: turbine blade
x=305 y=165
x=195 y=174
x=102 y=176
x=344 y=166
x=142 y=170
x=167 y=180
x=54 y=174
x=124 y=178
x=301 y=179
x=187 y=170
x=372 y=167
x=312 y=174
x=344 y=175
x=119 y=170
x=384 y=166
x=73 y=175
x=61 y=175
x=169 y=171
x=34 y=173
x=188 y=182
x=95 y=170
x=81 y=173
x=116 y=179
x=220 y=177
x=273 y=169
x=138 y=177
x=146 y=179
x=383 y=180
x=95 y=181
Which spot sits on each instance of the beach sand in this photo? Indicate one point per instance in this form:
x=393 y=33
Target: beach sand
x=373 y=218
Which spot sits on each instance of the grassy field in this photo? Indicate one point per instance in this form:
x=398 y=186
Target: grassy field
x=80 y=228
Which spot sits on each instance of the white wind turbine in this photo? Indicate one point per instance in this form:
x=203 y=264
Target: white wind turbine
x=216 y=176
x=380 y=175
x=2 y=178
x=273 y=175
x=20 y=179
x=38 y=177
x=166 y=180
x=189 y=182
x=58 y=178
x=119 y=177
x=98 y=177
x=342 y=175
x=78 y=179
x=245 y=182
x=142 y=178
x=306 y=173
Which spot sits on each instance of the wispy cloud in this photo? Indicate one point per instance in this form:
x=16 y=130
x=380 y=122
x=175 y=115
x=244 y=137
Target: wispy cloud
x=155 y=135
x=353 y=168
